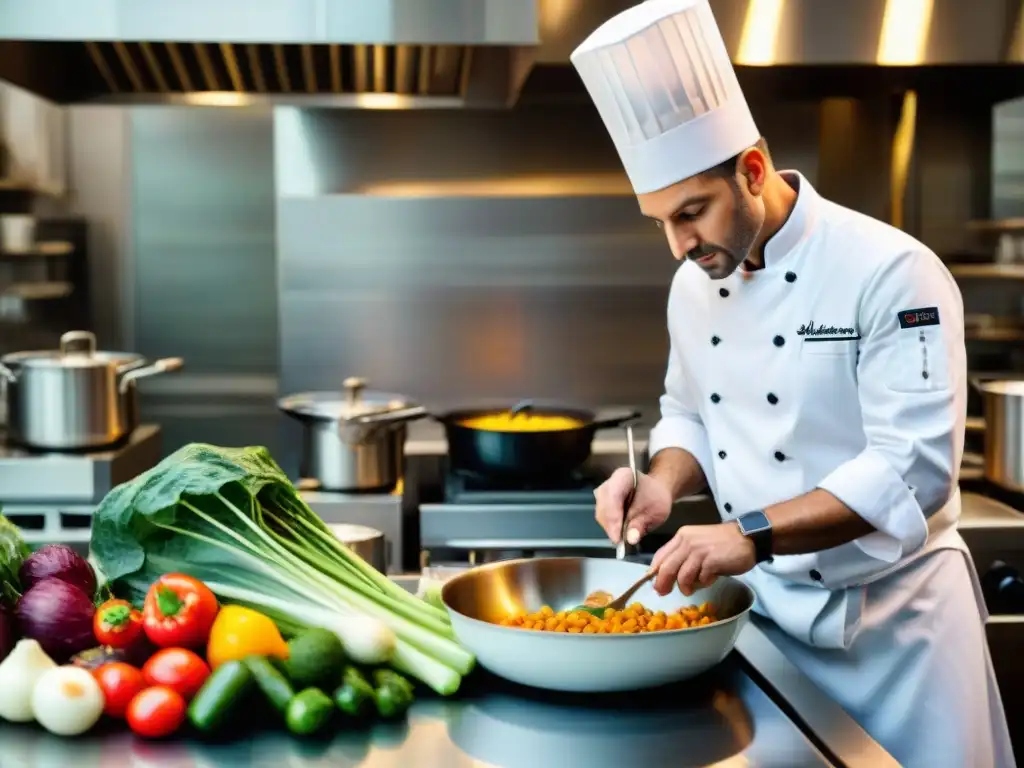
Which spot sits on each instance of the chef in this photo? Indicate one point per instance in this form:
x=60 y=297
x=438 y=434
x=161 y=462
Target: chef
x=816 y=386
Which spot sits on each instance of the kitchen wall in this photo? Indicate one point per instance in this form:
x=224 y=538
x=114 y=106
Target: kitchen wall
x=180 y=203
x=448 y=255
x=460 y=256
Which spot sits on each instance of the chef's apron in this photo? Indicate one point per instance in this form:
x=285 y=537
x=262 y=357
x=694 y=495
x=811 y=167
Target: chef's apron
x=902 y=655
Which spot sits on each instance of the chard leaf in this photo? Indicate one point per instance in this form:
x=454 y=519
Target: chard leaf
x=133 y=518
x=13 y=551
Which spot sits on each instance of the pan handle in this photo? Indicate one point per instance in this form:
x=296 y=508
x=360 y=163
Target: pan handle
x=616 y=419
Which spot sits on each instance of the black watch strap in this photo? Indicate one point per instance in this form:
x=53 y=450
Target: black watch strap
x=756 y=527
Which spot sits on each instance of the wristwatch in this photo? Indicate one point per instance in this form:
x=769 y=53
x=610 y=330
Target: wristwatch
x=758 y=528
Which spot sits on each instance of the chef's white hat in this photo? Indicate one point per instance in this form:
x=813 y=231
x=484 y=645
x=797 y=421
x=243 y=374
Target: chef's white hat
x=660 y=76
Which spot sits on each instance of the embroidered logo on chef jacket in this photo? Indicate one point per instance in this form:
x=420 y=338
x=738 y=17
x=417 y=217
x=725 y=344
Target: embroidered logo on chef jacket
x=917 y=318
x=812 y=331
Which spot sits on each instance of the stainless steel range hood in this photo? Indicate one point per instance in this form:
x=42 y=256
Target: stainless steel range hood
x=361 y=53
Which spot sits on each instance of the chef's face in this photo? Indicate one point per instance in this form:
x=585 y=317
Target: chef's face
x=712 y=220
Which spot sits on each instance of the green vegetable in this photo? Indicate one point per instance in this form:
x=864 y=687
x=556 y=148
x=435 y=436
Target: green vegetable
x=355 y=695
x=308 y=712
x=230 y=517
x=393 y=694
x=222 y=693
x=315 y=658
x=274 y=685
x=13 y=551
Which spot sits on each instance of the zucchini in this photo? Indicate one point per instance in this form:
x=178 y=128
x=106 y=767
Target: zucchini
x=221 y=693
x=274 y=685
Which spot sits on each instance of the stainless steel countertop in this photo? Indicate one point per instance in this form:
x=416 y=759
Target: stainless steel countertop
x=731 y=716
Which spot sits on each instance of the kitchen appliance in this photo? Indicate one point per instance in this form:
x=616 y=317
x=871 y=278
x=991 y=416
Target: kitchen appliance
x=52 y=496
x=484 y=518
x=355 y=441
x=75 y=397
x=481 y=597
x=505 y=443
x=366 y=542
x=1003 y=404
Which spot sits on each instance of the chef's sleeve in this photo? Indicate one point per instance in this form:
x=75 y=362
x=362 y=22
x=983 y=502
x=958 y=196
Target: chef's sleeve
x=680 y=425
x=912 y=384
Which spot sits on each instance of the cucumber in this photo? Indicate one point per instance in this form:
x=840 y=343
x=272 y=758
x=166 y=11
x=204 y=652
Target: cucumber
x=221 y=693
x=273 y=684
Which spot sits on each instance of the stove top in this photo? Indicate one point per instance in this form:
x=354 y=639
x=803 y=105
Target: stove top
x=31 y=477
x=462 y=487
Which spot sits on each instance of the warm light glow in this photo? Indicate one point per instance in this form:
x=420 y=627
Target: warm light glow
x=218 y=99
x=905 y=28
x=545 y=185
x=555 y=15
x=760 y=38
x=1017 y=47
x=902 y=151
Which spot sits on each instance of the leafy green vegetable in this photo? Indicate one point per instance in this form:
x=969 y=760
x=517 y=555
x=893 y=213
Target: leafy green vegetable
x=230 y=517
x=13 y=551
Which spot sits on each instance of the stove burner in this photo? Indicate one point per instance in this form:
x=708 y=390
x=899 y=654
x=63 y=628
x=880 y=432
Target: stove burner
x=465 y=487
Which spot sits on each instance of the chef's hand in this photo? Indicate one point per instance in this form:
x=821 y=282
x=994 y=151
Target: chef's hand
x=650 y=508
x=698 y=554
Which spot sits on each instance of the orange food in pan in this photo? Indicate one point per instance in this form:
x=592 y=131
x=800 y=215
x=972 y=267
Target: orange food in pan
x=632 y=620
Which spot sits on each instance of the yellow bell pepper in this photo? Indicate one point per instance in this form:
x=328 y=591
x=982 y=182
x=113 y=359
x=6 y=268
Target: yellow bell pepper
x=238 y=632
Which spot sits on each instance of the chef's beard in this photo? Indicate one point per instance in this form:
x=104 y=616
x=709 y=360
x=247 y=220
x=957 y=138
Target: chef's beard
x=729 y=255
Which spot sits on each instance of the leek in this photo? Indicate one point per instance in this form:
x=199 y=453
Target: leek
x=230 y=517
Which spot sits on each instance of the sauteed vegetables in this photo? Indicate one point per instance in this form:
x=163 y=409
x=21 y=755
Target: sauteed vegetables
x=635 y=619
x=521 y=422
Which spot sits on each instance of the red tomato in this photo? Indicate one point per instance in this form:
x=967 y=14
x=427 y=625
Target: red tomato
x=156 y=712
x=179 y=612
x=120 y=683
x=117 y=623
x=178 y=669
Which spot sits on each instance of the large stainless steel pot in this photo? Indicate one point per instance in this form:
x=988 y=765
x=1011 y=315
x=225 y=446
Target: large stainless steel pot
x=354 y=441
x=74 y=397
x=1003 y=403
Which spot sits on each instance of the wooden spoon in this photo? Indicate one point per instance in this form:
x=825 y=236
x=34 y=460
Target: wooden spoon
x=598 y=602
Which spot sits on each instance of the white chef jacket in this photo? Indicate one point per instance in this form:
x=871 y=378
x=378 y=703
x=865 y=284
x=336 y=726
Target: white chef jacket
x=840 y=365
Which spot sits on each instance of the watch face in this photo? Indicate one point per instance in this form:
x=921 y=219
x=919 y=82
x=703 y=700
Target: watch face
x=752 y=522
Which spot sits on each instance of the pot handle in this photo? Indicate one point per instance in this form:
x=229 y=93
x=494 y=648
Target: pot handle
x=392 y=417
x=977 y=383
x=7 y=374
x=78 y=343
x=616 y=420
x=166 y=365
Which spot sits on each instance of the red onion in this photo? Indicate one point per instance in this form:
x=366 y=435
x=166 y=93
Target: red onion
x=58 y=561
x=6 y=633
x=58 y=616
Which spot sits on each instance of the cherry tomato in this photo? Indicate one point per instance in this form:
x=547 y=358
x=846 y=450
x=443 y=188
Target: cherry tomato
x=117 y=623
x=179 y=669
x=156 y=712
x=179 y=612
x=120 y=683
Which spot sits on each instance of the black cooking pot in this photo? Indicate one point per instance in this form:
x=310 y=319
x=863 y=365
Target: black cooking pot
x=525 y=455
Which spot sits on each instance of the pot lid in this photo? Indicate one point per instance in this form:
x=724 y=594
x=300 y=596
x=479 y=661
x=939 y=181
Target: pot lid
x=77 y=350
x=355 y=401
x=1007 y=387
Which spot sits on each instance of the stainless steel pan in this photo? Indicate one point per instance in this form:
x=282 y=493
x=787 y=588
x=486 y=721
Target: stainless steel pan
x=482 y=596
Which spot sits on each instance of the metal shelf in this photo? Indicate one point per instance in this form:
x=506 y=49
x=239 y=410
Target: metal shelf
x=983 y=271
x=51 y=249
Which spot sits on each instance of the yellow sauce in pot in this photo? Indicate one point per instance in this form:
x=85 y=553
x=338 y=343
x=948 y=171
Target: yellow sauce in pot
x=524 y=422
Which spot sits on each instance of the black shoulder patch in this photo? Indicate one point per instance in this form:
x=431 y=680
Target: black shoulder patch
x=916 y=318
